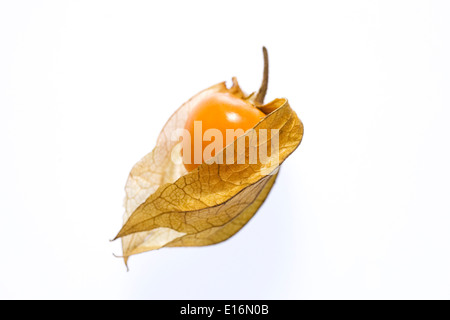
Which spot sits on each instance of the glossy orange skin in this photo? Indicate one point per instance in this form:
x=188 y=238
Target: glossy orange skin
x=221 y=111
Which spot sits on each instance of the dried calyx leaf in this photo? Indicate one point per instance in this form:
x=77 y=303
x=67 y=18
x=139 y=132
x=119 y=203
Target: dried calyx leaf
x=166 y=206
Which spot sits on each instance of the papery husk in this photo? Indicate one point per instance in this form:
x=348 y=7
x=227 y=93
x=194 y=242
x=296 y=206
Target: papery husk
x=166 y=206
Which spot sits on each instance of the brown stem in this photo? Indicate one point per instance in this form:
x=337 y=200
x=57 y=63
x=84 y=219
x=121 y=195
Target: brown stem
x=265 y=82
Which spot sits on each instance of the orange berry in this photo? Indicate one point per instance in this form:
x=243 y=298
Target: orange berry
x=220 y=111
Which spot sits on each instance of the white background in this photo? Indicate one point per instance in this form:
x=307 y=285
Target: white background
x=361 y=209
